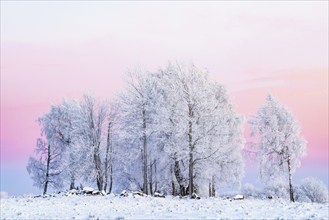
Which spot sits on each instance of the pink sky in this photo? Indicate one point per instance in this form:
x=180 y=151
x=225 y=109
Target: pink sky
x=51 y=50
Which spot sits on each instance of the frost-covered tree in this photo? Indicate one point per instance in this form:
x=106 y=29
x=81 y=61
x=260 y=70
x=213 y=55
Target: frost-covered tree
x=91 y=130
x=44 y=170
x=137 y=108
x=109 y=155
x=72 y=159
x=202 y=133
x=175 y=154
x=47 y=169
x=223 y=138
x=281 y=146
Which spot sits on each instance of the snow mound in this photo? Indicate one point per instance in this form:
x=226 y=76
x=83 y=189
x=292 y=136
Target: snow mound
x=88 y=190
x=96 y=192
x=138 y=193
x=156 y=194
x=238 y=197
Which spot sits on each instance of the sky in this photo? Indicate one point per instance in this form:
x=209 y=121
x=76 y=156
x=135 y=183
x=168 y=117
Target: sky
x=56 y=49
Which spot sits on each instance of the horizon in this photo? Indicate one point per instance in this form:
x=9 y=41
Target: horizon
x=51 y=50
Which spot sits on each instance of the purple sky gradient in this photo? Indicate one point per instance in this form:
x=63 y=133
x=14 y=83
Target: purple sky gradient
x=51 y=50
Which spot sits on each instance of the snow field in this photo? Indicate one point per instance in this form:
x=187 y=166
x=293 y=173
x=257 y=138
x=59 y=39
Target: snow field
x=114 y=207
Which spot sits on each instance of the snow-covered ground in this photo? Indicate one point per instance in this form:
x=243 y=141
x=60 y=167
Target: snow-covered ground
x=115 y=207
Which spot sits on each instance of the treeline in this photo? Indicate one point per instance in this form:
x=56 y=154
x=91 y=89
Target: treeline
x=173 y=130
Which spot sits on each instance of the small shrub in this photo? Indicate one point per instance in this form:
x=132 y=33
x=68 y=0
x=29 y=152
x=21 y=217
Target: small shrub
x=249 y=190
x=277 y=189
x=312 y=190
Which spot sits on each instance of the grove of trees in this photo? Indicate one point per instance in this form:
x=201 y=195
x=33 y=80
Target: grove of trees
x=173 y=131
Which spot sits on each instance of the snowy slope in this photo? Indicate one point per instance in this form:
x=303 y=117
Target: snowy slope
x=114 y=207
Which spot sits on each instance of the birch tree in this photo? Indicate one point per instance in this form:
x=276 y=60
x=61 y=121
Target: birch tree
x=223 y=141
x=281 y=146
x=50 y=148
x=92 y=132
x=73 y=158
x=109 y=155
x=202 y=126
x=136 y=122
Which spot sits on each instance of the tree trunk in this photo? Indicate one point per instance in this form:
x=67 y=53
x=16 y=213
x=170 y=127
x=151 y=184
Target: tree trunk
x=213 y=191
x=111 y=170
x=99 y=177
x=190 y=141
x=292 y=199
x=179 y=179
x=172 y=182
x=210 y=194
x=111 y=164
x=47 y=171
x=155 y=177
x=151 y=179
x=72 y=184
x=173 y=188
x=145 y=190
x=106 y=166
x=96 y=144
